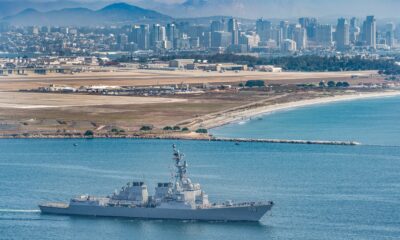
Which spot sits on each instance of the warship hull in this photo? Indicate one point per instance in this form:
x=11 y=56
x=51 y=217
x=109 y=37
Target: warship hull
x=236 y=213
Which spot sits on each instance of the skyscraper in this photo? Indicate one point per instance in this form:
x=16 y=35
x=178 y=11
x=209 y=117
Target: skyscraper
x=342 y=34
x=310 y=24
x=354 y=30
x=221 y=39
x=143 y=37
x=171 y=33
x=369 y=32
x=289 y=46
x=264 y=29
x=390 y=34
x=284 y=27
x=300 y=37
x=324 y=35
x=233 y=28
x=217 y=26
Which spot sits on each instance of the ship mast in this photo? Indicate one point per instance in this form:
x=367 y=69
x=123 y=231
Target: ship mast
x=180 y=165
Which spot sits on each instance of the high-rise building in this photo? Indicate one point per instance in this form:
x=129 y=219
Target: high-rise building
x=324 y=35
x=122 y=41
x=284 y=27
x=300 y=37
x=221 y=39
x=289 y=46
x=143 y=37
x=217 y=26
x=233 y=25
x=354 y=30
x=342 y=34
x=264 y=29
x=233 y=28
x=310 y=24
x=369 y=32
x=171 y=32
x=157 y=36
x=390 y=34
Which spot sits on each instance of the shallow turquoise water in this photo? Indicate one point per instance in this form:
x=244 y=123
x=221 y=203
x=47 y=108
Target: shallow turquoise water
x=321 y=192
x=372 y=121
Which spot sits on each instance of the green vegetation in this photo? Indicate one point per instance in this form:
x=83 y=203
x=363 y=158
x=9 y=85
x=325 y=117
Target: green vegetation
x=169 y=128
x=146 y=128
x=201 y=130
x=117 y=131
x=331 y=84
x=307 y=63
x=185 y=129
x=88 y=133
x=255 y=83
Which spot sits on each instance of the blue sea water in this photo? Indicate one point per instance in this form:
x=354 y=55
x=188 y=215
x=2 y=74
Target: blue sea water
x=369 y=121
x=321 y=192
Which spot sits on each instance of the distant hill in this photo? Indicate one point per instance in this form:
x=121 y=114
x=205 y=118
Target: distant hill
x=12 y=7
x=117 y=13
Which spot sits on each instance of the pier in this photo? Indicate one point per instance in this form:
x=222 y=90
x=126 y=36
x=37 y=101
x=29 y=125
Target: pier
x=286 y=141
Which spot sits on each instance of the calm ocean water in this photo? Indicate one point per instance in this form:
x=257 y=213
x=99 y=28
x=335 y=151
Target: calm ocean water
x=321 y=192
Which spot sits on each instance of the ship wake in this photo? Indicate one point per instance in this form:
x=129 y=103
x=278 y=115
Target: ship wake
x=7 y=210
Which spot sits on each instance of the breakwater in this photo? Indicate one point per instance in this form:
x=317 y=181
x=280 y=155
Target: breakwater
x=313 y=142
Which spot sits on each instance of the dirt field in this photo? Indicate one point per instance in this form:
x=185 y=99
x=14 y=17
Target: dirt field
x=24 y=100
x=151 y=77
x=46 y=113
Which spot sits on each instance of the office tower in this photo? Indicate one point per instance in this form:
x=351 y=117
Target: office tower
x=122 y=41
x=324 y=35
x=154 y=34
x=390 y=34
x=221 y=39
x=251 y=40
x=233 y=25
x=397 y=32
x=284 y=27
x=171 y=33
x=354 y=30
x=342 y=34
x=276 y=35
x=134 y=34
x=300 y=37
x=205 y=40
x=291 y=29
x=263 y=29
x=289 y=46
x=33 y=30
x=157 y=36
x=369 y=32
x=218 y=26
x=144 y=37
x=233 y=28
x=310 y=24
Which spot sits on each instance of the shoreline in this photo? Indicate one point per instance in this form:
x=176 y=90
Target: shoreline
x=219 y=119
x=246 y=115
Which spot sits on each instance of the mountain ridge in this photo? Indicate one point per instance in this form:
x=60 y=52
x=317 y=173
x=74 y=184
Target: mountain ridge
x=116 y=13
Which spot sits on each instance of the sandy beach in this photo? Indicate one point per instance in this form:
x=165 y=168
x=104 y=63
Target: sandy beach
x=243 y=114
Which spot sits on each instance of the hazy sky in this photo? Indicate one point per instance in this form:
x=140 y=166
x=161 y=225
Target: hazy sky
x=261 y=8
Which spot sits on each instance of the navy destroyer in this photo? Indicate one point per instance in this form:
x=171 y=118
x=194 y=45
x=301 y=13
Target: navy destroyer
x=178 y=199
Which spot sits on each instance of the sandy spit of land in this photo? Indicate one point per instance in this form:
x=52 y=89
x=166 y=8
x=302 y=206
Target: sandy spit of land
x=227 y=117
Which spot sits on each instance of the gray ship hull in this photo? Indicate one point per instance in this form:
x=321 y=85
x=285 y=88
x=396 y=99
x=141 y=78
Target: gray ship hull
x=237 y=213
